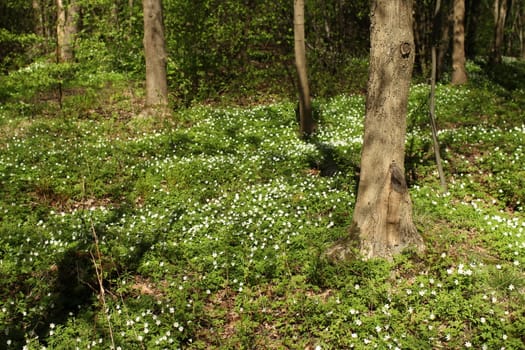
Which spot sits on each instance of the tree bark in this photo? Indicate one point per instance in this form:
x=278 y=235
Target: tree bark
x=521 y=33
x=521 y=29
x=445 y=23
x=422 y=26
x=459 y=72
x=114 y=18
x=500 y=14
x=472 y=21
x=48 y=19
x=38 y=14
x=67 y=29
x=305 y=107
x=432 y=102
x=155 y=54
x=382 y=222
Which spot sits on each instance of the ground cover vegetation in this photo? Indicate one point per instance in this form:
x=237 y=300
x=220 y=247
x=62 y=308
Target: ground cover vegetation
x=206 y=229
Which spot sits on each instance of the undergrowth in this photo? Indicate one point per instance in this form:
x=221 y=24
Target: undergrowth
x=206 y=230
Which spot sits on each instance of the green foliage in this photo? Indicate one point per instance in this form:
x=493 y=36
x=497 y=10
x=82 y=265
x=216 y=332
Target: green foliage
x=111 y=37
x=36 y=78
x=510 y=75
x=13 y=47
x=17 y=41
x=219 y=47
x=337 y=36
x=207 y=229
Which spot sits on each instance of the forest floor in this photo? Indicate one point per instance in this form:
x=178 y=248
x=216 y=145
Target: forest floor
x=206 y=229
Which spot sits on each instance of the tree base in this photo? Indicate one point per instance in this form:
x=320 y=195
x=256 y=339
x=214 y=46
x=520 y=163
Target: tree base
x=344 y=249
x=352 y=247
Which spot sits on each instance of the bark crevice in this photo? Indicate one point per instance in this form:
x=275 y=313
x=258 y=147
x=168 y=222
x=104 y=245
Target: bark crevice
x=388 y=226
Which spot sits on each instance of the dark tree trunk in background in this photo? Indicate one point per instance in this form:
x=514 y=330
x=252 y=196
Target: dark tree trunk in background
x=38 y=14
x=422 y=31
x=445 y=25
x=382 y=222
x=500 y=14
x=521 y=32
x=430 y=30
x=473 y=9
x=514 y=46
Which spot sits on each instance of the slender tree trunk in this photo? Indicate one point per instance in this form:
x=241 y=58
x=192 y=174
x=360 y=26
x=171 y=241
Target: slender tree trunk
x=421 y=48
x=382 y=222
x=48 y=19
x=38 y=14
x=500 y=14
x=446 y=24
x=115 y=21
x=521 y=31
x=67 y=29
x=512 y=14
x=472 y=19
x=61 y=35
x=421 y=30
x=130 y=14
x=432 y=111
x=517 y=9
x=155 y=53
x=459 y=73
x=305 y=106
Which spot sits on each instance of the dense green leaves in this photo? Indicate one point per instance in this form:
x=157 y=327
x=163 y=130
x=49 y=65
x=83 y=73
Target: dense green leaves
x=218 y=49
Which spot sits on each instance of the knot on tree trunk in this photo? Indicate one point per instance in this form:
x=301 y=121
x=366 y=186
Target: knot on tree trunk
x=405 y=49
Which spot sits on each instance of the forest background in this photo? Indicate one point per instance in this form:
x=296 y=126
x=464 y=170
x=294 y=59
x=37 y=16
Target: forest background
x=245 y=48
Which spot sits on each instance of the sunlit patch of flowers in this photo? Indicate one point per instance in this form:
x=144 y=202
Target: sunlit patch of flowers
x=343 y=122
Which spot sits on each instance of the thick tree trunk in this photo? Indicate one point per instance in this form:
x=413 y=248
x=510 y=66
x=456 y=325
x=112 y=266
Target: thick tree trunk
x=155 y=53
x=382 y=221
x=459 y=73
x=67 y=29
x=305 y=107
x=500 y=14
